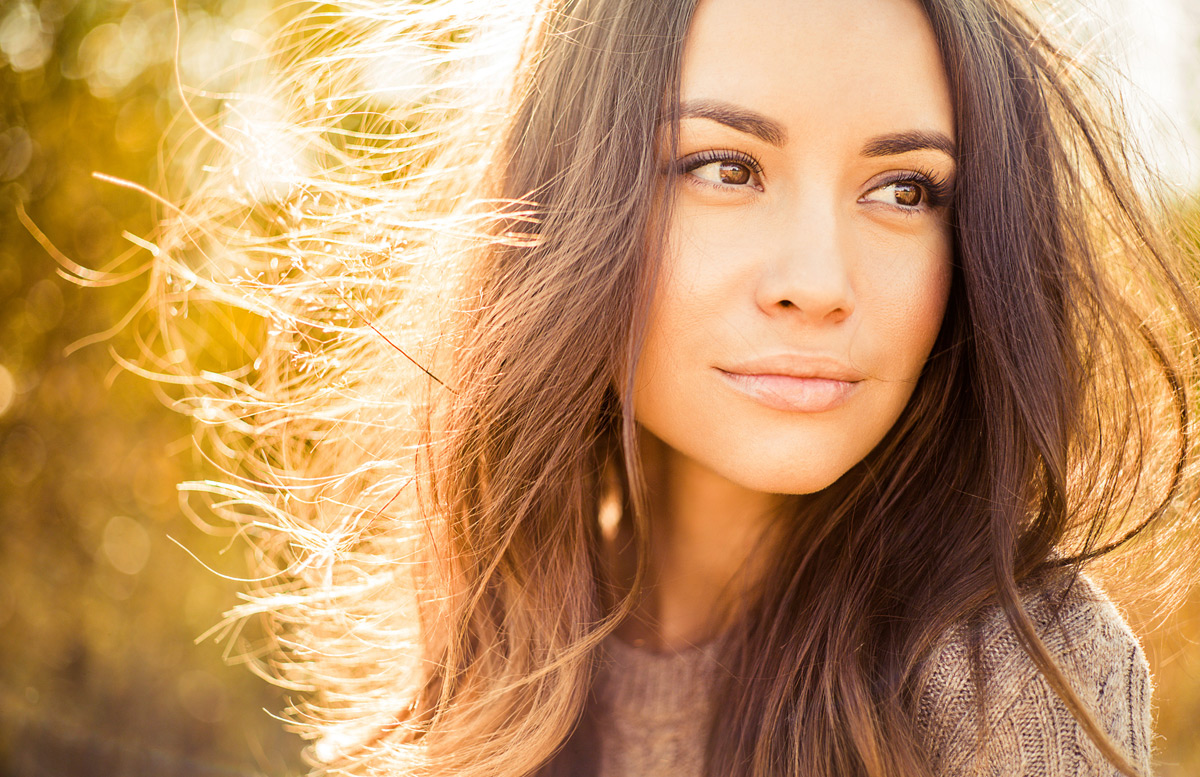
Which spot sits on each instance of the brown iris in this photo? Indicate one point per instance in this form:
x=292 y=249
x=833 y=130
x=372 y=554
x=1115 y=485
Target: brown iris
x=734 y=173
x=909 y=194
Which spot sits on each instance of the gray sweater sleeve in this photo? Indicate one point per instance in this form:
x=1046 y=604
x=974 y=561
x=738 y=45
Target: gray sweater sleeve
x=1021 y=727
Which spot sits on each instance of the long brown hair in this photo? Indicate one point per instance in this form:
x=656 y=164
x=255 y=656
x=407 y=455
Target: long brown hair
x=439 y=412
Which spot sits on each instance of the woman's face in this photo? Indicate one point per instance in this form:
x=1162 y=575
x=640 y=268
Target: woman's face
x=810 y=249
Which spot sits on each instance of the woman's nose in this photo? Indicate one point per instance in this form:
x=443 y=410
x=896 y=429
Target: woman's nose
x=805 y=269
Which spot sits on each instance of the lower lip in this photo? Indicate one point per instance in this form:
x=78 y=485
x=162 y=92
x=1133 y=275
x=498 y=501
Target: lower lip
x=792 y=394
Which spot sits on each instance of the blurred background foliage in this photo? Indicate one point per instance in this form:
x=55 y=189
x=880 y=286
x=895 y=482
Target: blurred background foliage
x=99 y=608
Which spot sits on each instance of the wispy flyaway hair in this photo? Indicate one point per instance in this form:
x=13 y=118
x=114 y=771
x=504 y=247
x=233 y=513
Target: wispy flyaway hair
x=404 y=282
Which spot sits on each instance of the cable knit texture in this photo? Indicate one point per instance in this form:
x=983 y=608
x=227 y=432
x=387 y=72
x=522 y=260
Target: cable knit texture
x=653 y=709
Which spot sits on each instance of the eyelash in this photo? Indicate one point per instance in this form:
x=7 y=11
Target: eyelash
x=700 y=159
x=938 y=191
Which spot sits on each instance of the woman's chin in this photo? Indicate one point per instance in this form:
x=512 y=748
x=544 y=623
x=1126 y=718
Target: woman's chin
x=785 y=477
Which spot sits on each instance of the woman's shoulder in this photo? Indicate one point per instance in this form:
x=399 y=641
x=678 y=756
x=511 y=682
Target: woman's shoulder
x=985 y=708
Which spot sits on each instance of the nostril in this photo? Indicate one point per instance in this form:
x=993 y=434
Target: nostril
x=787 y=303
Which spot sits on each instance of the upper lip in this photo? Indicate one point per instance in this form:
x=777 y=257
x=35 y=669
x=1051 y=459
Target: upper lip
x=797 y=365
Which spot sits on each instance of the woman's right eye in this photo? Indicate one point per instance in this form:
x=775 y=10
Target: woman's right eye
x=723 y=169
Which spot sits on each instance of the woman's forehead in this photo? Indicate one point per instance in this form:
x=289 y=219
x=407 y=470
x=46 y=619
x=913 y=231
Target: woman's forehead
x=817 y=66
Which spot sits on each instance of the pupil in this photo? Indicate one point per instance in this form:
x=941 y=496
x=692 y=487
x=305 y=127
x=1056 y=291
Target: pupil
x=908 y=194
x=734 y=173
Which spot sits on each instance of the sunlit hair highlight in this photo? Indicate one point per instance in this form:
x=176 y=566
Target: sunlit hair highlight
x=403 y=287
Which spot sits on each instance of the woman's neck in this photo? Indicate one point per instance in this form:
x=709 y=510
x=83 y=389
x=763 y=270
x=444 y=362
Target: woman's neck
x=704 y=529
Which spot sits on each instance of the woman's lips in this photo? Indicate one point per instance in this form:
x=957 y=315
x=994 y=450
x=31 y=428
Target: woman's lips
x=791 y=393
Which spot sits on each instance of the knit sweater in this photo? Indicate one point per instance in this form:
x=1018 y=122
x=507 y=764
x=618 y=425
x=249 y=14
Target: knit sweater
x=653 y=709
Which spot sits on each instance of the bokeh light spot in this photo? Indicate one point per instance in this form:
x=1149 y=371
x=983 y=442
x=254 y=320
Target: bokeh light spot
x=16 y=150
x=126 y=544
x=113 y=55
x=24 y=38
x=8 y=390
x=44 y=305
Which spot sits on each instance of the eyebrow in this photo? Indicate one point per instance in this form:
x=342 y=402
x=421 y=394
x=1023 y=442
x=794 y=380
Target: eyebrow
x=740 y=119
x=895 y=143
x=772 y=132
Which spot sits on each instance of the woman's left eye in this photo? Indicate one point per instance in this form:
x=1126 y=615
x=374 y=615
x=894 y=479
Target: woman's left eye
x=723 y=169
x=904 y=193
x=730 y=173
x=910 y=193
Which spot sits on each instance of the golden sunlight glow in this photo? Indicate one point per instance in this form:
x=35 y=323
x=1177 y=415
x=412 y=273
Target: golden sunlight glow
x=1156 y=44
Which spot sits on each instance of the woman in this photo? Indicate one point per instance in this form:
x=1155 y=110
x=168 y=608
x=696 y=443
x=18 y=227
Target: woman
x=756 y=414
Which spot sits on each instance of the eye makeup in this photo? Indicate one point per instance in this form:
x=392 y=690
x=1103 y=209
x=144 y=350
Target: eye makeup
x=687 y=165
x=938 y=189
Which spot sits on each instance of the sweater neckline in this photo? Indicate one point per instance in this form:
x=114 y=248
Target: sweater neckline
x=639 y=682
